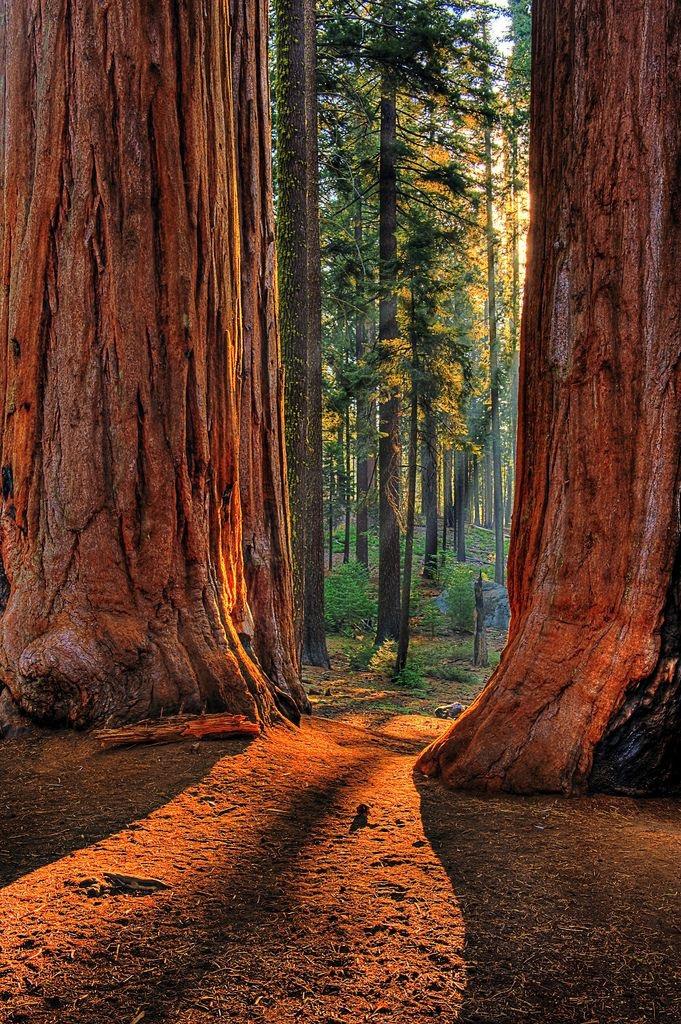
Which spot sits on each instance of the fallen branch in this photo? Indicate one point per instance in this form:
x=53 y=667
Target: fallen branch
x=172 y=730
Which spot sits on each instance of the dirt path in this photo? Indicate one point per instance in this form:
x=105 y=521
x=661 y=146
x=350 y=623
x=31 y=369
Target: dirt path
x=286 y=905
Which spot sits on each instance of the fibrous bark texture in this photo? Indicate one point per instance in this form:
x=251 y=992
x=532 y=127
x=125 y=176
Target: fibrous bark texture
x=263 y=491
x=588 y=694
x=123 y=582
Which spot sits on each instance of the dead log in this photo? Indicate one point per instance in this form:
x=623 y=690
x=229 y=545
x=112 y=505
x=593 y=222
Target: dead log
x=172 y=730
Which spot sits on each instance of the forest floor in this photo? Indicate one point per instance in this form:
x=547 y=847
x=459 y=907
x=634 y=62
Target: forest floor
x=287 y=904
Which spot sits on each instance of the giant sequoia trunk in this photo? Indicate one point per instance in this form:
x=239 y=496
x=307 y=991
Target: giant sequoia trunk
x=122 y=572
x=589 y=690
x=264 y=498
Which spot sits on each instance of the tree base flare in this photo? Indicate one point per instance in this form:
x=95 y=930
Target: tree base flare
x=116 y=672
x=570 y=718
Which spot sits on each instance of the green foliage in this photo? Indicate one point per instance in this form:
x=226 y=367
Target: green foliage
x=349 y=602
x=360 y=658
x=411 y=677
x=457 y=674
x=432 y=619
x=382 y=662
x=458 y=580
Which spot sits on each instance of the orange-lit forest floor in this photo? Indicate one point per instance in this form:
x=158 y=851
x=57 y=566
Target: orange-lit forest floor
x=284 y=904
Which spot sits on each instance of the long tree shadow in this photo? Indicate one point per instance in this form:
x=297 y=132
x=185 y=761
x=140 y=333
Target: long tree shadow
x=170 y=951
x=277 y=912
x=571 y=907
x=58 y=793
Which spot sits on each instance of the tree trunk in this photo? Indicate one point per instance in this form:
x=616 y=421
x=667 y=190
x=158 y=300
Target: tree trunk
x=363 y=418
x=123 y=587
x=347 y=495
x=403 y=642
x=332 y=481
x=389 y=407
x=460 y=507
x=487 y=494
x=430 y=494
x=292 y=156
x=449 y=488
x=588 y=692
x=515 y=316
x=497 y=483
x=447 y=496
x=476 y=491
x=314 y=630
x=269 y=624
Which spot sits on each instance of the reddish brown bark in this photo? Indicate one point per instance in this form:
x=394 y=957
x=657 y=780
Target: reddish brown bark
x=121 y=518
x=264 y=495
x=588 y=693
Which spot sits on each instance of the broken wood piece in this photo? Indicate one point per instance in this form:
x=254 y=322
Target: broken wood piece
x=171 y=730
x=133 y=883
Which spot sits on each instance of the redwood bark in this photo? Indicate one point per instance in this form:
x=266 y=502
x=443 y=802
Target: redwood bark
x=588 y=692
x=270 y=625
x=121 y=522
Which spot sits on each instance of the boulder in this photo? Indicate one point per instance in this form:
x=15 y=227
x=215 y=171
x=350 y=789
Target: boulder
x=497 y=608
x=449 y=711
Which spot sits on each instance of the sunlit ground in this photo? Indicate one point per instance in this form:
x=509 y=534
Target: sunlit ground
x=285 y=904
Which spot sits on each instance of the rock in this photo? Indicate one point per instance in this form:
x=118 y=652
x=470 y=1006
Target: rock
x=495 y=598
x=449 y=711
x=497 y=608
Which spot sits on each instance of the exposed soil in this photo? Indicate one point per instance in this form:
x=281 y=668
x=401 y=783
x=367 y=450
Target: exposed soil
x=287 y=905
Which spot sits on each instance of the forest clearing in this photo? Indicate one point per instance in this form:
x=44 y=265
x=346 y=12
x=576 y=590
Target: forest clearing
x=340 y=511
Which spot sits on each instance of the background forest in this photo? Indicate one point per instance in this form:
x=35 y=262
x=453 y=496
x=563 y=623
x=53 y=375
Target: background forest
x=417 y=115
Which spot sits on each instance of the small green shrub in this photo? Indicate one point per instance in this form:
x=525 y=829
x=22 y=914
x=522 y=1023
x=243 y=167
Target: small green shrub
x=411 y=677
x=459 y=595
x=456 y=674
x=432 y=619
x=360 y=658
x=383 y=659
x=349 y=603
